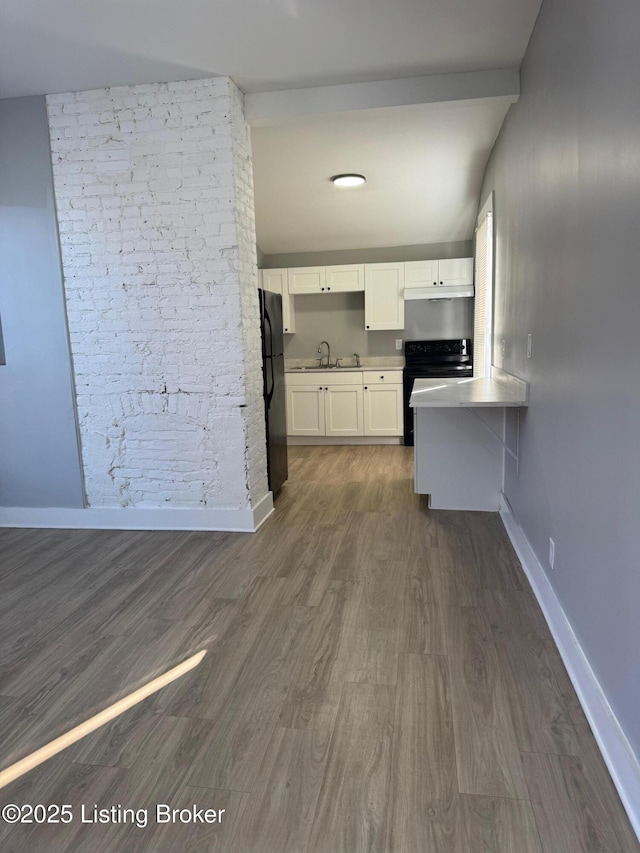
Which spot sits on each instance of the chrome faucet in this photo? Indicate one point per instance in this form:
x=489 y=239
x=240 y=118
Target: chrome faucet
x=328 y=353
x=357 y=355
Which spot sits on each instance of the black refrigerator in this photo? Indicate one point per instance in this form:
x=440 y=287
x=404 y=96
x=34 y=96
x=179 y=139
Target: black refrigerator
x=274 y=391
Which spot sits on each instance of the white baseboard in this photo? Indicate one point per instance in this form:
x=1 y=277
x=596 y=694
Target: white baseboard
x=620 y=759
x=262 y=510
x=139 y=518
x=298 y=440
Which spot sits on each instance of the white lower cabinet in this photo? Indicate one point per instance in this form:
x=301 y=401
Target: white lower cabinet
x=305 y=409
x=383 y=410
x=351 y=404
x=316 y=408
x=343 y=409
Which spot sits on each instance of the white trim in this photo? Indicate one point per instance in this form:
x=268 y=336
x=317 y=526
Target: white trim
x=262 y=510
x=139 y=518
x=345 y=439
x=486 y=208
x=616 y=750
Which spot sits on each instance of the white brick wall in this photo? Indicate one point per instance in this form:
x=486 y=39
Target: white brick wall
x=155 y=207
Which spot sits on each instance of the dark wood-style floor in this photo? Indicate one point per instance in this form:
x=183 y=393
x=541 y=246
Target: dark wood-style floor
x=379 y=677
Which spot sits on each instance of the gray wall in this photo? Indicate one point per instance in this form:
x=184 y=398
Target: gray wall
x=426 y=319
x=389 y=254
x=339 y=319
x=39 y=459
x=566 y=174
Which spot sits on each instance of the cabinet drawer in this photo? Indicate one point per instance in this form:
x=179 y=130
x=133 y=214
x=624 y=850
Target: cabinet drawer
x=382 y=377
x=300 y=377
x=324 y=378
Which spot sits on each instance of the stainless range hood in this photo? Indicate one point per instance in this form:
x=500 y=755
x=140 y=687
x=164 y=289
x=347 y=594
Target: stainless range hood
x=456 y=291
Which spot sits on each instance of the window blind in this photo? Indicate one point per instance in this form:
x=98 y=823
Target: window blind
x=483 y=298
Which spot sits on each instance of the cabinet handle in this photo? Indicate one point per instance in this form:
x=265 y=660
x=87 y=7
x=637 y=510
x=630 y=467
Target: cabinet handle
x=382 y=377
x=320 y=388
x=435 y=283
x=328 y=288
x=366 y=388
x=440 y=284
x=367 y=327
x=322 y=288
x=326 y=389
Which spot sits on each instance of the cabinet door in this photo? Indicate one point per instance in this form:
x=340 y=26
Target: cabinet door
x=343 y=410
x=455 y=271
x=343 y=279
x=305 y=409
x=288 y=314
x=383 y=296
x=383 y=414
x=276 y=281
x=273 y=280
x=420 y=274
x=307 y=280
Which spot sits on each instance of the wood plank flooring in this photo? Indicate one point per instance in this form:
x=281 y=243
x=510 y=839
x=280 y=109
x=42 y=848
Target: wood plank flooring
x=379 y=679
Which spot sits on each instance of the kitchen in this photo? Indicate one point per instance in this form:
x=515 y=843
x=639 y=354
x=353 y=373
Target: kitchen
x=371 y=307
x=352 y=293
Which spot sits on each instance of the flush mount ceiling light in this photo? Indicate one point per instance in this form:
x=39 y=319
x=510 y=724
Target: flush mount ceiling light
x=348 y=180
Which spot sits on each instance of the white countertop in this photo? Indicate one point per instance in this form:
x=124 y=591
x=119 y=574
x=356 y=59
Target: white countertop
x=499 y=392
x=385 y=368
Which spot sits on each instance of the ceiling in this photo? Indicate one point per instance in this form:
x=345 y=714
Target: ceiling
x=423 y=163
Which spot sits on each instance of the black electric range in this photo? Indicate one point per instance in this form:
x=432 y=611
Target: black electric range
x=432 y=360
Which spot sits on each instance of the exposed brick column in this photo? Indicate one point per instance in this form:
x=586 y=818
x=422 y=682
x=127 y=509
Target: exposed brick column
x=155 y=207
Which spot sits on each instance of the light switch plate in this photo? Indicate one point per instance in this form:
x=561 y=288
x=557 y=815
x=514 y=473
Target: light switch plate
x=399 y=343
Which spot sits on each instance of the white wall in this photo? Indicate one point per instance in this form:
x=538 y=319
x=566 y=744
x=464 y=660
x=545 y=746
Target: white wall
x=39 y=454
x=155 y=205
x=566 y=174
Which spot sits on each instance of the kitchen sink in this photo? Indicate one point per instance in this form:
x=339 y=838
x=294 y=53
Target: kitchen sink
x=322 y=369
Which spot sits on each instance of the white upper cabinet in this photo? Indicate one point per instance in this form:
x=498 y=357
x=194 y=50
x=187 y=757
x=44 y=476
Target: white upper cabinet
x=455 y=271
x=307 y=280
x=441 y=273
x=273 y=280
x=337 y=279
x=345 y=279
x=277 y=281
x=420 y=274
x=384 y=296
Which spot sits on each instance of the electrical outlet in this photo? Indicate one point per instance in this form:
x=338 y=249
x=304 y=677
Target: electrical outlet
x=529 y=342
x=399 y=343
x=503 y=349
x=552 y=552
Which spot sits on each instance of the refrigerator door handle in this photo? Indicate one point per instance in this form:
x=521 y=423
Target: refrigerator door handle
x=268 y=361
x=268 y=321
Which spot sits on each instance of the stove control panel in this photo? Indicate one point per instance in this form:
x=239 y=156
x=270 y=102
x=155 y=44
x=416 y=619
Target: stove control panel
x=460 y=346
